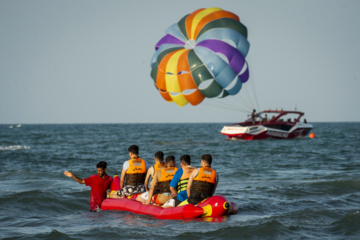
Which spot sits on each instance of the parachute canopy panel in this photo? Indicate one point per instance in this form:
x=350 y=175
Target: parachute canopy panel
x=205 y=48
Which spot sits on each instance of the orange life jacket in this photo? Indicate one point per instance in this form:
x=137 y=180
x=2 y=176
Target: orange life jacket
x=136 y=173
x=204 y=182
x=166 y=176
x=184 y=178
x=158 y=166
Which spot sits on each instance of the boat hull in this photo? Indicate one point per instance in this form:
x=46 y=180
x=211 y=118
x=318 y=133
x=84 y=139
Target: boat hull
x=276 y=127
x=263 y=132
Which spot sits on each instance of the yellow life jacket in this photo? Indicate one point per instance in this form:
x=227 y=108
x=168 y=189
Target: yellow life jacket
x=136 y=173
x=184 y=178
x=166 y=176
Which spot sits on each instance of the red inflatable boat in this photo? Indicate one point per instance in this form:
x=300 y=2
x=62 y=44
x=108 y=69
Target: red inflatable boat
x=214 y=206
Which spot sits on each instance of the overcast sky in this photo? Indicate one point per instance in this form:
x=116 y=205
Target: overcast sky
x=89 y=61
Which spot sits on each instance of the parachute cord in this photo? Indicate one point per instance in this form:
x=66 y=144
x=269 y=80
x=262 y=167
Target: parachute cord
x=236 y=103
x=247 y=100
x=225 y=103
x=250 y=103
x=226 y=106
x=253 y=88
x=243 y=102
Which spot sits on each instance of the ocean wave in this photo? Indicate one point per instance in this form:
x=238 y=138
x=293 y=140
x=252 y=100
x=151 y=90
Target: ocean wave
x=347 y=225
x=338 y=186
x=14 y=148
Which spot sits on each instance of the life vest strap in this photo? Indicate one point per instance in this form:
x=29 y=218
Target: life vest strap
x=135 y=179
x=162 y=187
x=202 y=187
x=199 y=191
x=182 y=185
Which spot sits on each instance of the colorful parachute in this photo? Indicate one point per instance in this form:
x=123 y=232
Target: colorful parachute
x=203 y=55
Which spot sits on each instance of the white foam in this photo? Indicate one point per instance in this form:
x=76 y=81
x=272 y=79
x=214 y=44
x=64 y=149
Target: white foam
x=13 y=148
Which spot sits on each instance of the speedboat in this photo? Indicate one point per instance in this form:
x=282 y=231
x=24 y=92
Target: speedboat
x=269 y=124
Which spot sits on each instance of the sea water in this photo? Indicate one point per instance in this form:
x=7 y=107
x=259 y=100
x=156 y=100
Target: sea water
x=285 y=189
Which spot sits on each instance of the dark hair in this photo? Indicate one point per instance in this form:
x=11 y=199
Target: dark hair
x=159 y=155
x=170 y=158
x=185 y=159
x=134 y=149
x=101 y=164
x=207 y=158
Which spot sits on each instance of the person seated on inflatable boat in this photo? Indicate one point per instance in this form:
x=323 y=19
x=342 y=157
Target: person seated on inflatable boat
x=202 y=182
x=99 y=184
x=179 y=182
x=159 y=192
x=159 y=163
x=134 y=171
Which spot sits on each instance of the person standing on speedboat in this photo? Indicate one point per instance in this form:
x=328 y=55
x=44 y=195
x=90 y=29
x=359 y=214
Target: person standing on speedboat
x=253 y=115
x=132 y=175
x=99 y=184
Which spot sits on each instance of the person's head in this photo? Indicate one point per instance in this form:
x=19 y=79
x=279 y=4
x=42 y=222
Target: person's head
x=185 y=160
x=101 y=168
x=159 y=156
x=170 y=161
x=206 y=160
x=133 y=149
x=254 y=110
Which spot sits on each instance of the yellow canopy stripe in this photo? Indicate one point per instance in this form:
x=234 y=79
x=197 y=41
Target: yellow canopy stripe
x=172 y=81
x=179 y=99
x=200 y=16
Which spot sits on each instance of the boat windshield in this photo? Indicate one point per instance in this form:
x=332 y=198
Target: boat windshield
x=287 y=117
x=277 y=116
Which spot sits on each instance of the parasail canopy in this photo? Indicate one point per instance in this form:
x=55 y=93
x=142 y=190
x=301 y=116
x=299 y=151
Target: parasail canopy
x=201 y=56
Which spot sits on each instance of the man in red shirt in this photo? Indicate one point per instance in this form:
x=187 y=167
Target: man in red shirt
x=99 y=184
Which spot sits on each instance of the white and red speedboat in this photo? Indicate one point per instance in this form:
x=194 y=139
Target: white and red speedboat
x=270 y=124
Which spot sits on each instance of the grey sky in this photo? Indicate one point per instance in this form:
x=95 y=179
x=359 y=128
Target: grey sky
x=89 y=61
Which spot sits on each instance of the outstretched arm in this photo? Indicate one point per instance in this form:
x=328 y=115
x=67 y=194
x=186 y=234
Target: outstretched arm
x=76 y=178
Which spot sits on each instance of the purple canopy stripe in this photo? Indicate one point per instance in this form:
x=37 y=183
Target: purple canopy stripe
x=168 y=39
x=235 y=58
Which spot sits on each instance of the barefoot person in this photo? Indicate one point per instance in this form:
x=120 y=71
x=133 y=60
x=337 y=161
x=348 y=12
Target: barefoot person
x=99 y=184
